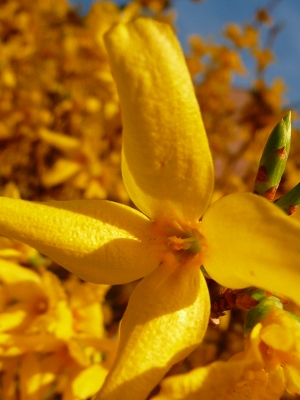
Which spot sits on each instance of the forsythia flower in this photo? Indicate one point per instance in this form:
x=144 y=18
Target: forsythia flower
x=277 y=339
x=242 y=239
x=268 y=365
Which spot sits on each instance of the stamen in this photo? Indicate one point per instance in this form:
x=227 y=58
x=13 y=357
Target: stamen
x=189 y=243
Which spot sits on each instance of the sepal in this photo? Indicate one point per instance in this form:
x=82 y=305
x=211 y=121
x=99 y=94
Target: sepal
x=258 y=313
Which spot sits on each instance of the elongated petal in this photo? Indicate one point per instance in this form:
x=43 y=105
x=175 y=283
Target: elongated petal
x=166 y=160
x=37 y=374
x=292 y=376
x=166 y=318
x=12 y=345
x=99 y=241
x=250 y=242
x=21 y=283
x=88 y=381
x=220 y=380
x=30 y=378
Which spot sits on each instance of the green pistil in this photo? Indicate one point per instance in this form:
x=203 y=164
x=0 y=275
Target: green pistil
x=194 y=247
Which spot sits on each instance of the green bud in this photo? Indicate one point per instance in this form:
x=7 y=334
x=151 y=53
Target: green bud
x=258 y=313
x=290 y=201
x=274 y=158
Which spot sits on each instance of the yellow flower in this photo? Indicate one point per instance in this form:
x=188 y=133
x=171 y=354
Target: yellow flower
x=167 y=169
x=19 y=293
x=245 y=37
x=279 y=344
x=269 y=364
x=264 y=57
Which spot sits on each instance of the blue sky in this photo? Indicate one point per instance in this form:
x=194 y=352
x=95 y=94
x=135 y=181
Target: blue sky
x=208 y=18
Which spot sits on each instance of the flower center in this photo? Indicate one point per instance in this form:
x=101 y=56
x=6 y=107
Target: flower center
x=181 y=239
x=190 y=243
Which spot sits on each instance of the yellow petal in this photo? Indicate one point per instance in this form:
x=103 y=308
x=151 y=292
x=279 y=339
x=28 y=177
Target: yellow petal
x=99 y=241
x=37 y=373
x=88 y=381
x=59 y=140
x=85 y=301
x=16 y=318
x=16 y=344
x=278 y=337
x=248 y=241
x=21 y=284
x=165 y=320
x=9 y=388
x=61 y=171
x=292 y=377
x=30 y=377
x=14 y=274
x=166 y=160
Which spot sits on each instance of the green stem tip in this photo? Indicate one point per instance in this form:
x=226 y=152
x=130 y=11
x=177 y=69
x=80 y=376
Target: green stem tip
x=290 y=201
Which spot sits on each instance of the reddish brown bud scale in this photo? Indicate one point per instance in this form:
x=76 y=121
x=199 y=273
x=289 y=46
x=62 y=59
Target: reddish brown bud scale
x=281 y=152
x=270 y=194
x=292 y=209
x=290 y=202
x=262 y=174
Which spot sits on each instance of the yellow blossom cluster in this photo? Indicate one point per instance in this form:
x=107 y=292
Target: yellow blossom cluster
x=60 y=126
x=52 y=337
